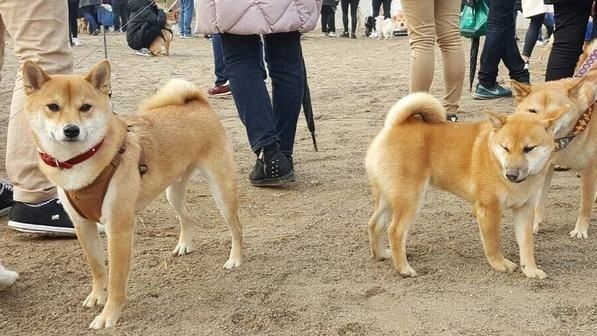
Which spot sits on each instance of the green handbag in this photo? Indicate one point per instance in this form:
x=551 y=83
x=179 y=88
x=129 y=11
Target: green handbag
x=473 y=18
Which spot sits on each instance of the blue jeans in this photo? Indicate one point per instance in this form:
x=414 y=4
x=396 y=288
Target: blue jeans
x=500 y=44
x=266 y=121
x=186 y=16
x=220 y=66
x=90 y=14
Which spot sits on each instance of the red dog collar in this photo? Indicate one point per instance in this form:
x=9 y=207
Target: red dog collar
x=53 y=162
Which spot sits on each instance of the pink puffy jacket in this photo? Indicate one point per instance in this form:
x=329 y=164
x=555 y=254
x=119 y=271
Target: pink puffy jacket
x=247 y=17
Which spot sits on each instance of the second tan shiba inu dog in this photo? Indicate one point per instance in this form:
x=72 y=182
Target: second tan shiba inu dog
x=86 y=151
x=496 y=165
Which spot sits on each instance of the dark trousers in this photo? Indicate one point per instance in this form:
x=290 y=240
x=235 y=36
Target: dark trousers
x=266 y=121
x=354 y=6
x=328 y=19
x=90 y=14
x=571 y=23
x=73 y=27
x=387 y=7
x=121 y=14
x=533 y=33
x=501 y=45
x=219 y=64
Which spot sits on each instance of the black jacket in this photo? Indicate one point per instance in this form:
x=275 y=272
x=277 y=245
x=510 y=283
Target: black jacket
x=551 y=2
x=146 y=23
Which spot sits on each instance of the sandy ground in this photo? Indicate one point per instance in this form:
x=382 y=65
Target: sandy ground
x=307 y=268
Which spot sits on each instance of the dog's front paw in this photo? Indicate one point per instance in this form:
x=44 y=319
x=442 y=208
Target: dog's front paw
x=232 y=263
x=576 y=233
x=384 y=255
x=534 y=273
x=408 y=272
x=104 y=320
x=96 y=298
x=505 y=266
x=182 y=249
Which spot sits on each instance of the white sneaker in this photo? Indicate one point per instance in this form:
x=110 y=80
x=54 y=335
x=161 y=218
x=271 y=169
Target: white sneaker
x=324 y=34
x=144 y=52
x=76 y=42
x=332 y=34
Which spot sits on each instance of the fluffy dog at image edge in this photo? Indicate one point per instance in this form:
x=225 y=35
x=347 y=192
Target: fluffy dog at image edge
x=497 y=165
x=86 y=149
x=580 y=154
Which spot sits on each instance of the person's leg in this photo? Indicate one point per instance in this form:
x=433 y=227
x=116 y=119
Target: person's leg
x=532 y=34
x=387 y=9
x=332 y=20
x=73 y=6
x=186 y=8
x=549 y=24
x=124 y=16
x=376 y=7
x=89 y=14
x=447 y=14
x=285 y=64
x=421 y=27
x=354 y=7
x=242 y=56
x=116 y=6
x=40 y=33
x=324 y=19
x=344 y=5
x=219 y=65
x=500 y=44
x=571 y=22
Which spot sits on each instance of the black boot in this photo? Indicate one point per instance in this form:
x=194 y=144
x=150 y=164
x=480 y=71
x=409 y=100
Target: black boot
x=272 y=169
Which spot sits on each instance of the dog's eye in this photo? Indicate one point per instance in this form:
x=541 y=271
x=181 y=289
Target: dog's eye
x=85 y=108
x=53 y=107
x=532 y=110
x=527 y=149
x=506 y=148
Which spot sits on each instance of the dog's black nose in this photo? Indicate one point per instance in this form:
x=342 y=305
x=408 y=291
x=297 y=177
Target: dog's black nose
x=512 y=176
x=71 y=131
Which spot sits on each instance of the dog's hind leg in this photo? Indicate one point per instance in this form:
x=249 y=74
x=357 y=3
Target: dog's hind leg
x=175 y=194
x=220 y=175
x=587 y=196
x=377 y=223
x=405 y=205
x=540 y=207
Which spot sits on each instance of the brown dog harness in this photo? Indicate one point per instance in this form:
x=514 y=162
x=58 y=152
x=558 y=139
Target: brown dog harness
x=581 y=124
x=88 y=201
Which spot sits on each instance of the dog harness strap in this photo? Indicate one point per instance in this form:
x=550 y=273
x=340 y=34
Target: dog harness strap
x=88 y=201
x=587 y=64
x=53 y=162
x=581 y=124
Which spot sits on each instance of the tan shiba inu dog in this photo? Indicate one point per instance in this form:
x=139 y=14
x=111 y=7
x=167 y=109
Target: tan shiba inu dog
x=161 y=45
x=546 y=99
x=79 y=138
x=496 y=165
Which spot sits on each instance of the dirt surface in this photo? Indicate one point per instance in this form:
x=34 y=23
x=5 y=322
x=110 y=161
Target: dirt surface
x=307 y=268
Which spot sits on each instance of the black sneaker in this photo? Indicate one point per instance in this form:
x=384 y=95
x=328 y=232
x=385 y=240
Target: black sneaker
x=345 y=34
x=5 y=197
x=46 y=217
x=272 y=169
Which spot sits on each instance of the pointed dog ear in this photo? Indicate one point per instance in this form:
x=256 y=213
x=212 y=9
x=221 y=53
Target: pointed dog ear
x=521 y=90
x=573 y=85
x=99 y=76
x=34 y=77
x=557 y=119
x=497 y=119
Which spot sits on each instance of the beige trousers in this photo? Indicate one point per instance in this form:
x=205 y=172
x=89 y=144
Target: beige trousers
x=39 y=29
x=428 y=21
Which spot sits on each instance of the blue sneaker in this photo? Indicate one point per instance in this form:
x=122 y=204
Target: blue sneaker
x=498 y=91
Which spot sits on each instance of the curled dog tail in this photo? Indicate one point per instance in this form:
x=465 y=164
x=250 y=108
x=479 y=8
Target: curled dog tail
x=419 y=103
x=175 y=92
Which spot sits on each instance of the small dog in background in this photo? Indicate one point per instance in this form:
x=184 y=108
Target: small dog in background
x=82 y=24
x=369 y=24
x=161 y=45
x=399 y=24
x=384 y=28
